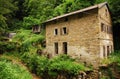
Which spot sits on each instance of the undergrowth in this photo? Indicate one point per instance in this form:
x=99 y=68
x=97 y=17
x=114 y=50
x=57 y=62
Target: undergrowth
x=10 y=70
x=112 y=68
x=61 y=65
x=113 y=58
x=28 y=40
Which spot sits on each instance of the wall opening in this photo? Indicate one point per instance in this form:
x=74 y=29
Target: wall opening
x=64 y=30
x=106 y=11
x=104 y=55
x=108 y=50
x=102 y=27
x=56 y=47
x=65 y=47
x=56 y=32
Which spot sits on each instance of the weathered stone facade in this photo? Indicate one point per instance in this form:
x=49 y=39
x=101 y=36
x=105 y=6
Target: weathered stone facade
x=83 y=35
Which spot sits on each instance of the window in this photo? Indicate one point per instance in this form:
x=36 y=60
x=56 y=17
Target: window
x=64 y=30
x=65 y=47
x=36 y=28
x=106 y=28
x=104 y=51
x=56 y=47
x=102 y=27
x=106 y=12
x=56 y=32
x=108 y=50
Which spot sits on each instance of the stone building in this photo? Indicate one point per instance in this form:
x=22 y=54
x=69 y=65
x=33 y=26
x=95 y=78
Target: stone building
x=85 y=34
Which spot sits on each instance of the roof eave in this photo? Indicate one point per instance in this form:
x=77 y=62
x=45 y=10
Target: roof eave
x=78 y=11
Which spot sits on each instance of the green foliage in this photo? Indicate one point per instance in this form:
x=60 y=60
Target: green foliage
x=62 y=58
x=14 y=24
x=51 y=68
x=8 y=46
x=22 y=35
x=28 y=22
x=37 y=64
x=3 y=24
x=40 y=9
x=9 y=70
x=6 y=7
x=113 y=58
x=112 y=66
x=28 y=40
x=69 y=6
x=64 y=64
x=100 y=1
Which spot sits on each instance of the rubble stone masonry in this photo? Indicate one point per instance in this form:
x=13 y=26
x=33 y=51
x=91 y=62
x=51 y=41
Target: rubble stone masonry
x=84 y=37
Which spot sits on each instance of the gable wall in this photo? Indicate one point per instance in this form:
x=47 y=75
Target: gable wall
x=106 y=38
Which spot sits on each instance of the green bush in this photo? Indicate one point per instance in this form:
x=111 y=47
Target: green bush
x=8 y=70
x=115 y=57
x=37 y=64
x=64 y=65
x=8 y=46
x=29 y=21
x=28 y=40
x=22 y=35
x=51 y=68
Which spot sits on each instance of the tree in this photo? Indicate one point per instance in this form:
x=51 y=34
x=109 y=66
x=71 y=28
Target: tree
x=70 y=5
x=115 y=9
x=6 y=9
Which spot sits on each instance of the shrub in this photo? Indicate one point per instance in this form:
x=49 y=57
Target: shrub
x=9 y=70
x=28 y=40
x=51 y=68
x=8 y=46
x=115 y=57
x=28 y=22
x=37 y=64
x=64 y=65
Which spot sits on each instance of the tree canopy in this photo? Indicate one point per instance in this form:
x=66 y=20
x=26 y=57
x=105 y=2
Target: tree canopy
x=7 y=7
x=25 y=13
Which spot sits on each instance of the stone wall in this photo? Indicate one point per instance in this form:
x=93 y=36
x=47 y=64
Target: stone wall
x=106 y=37
x=83 y=35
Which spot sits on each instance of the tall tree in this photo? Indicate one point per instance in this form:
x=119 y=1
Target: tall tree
x=6 y=9
x=71 y=5
x=40 y=10
x=115 y=9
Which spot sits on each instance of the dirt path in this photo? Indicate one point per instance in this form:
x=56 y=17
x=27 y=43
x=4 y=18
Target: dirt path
x=17 y=61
